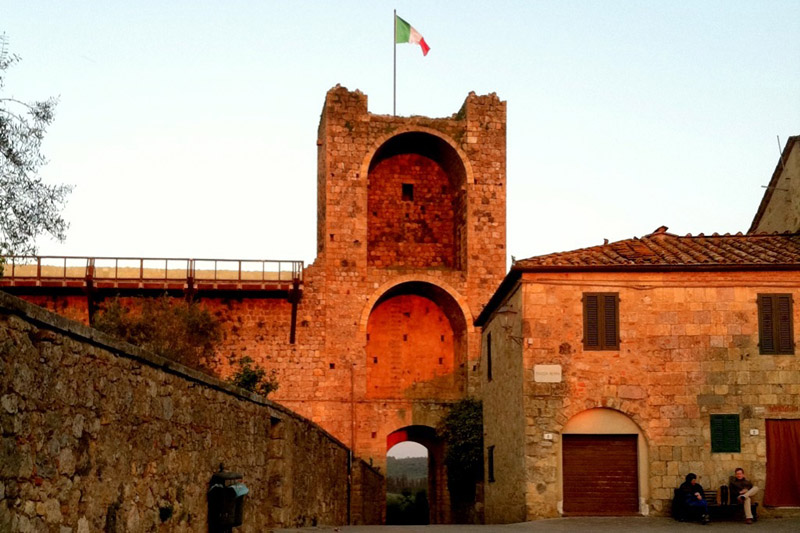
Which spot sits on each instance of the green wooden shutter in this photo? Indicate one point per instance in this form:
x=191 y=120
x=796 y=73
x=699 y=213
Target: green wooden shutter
x=725 y=434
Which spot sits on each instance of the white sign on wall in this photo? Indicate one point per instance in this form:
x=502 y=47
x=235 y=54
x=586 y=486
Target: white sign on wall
x=547 y=373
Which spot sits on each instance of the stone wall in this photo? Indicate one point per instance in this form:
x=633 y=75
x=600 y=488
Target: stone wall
x=450 y=251
x=780 y=208
x=98 y=435
x=688 y=350
x=504 y=422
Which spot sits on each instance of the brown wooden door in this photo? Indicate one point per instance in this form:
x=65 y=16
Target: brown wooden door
x=600 y=474
x=783 y=463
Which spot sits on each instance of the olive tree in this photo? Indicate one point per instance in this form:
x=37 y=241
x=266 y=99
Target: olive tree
x=28 y=207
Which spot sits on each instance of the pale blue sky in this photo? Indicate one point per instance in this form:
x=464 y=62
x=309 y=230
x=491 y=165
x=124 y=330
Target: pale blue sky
x=189 y=127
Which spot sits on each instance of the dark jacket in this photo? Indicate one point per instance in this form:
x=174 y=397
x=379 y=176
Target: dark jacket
x=738 y=485
x=688 y=490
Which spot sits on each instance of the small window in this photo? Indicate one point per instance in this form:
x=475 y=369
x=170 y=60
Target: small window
x=408 y=192
x=489 y=357
x=725 y=437
x=775 y=329
x=490 y=465
x=601 y=321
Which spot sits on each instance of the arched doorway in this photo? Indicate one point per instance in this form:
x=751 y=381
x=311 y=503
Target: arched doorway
x=407 y=484
x=603 y=465
x=437 y=496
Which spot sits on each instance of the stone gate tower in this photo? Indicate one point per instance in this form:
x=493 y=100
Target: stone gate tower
x=410 y=246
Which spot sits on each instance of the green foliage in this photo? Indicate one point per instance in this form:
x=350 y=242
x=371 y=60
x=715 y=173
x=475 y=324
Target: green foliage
x=182 y=331
x=28 y=207
x=254 y=378
x=462 y=430
x=407 y=508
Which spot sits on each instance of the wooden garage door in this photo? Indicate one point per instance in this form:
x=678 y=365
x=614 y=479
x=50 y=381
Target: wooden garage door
x=600 y=475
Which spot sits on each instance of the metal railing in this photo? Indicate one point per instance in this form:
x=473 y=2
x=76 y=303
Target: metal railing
x=140 y=269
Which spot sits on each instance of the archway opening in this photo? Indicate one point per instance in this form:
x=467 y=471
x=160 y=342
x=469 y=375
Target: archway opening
x=430 y=493
x=407 y=484
x=416 y=202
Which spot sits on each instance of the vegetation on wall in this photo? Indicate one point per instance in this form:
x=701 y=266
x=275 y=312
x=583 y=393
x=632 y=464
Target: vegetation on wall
x=462 y=430
x=182 y=331
x=254 y=378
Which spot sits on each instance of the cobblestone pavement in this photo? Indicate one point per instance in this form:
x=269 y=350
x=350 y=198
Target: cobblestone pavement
x=565 y=525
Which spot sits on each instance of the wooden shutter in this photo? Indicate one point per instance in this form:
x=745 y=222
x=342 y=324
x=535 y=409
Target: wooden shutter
x=591 y=322
x=601 y=321
x=784 y=336
x=725 y=434
x=775 y=324
x=610 y=326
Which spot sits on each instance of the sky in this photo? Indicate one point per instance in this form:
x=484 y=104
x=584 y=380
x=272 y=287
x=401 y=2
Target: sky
x=188 y=128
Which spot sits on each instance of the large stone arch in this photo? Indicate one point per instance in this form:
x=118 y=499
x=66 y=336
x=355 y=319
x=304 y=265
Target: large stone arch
x=416 y=342
x=607 y=421
x=415 y=278
x=417 y=201
x=370 y=155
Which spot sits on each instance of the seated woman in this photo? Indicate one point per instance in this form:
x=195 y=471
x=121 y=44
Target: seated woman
x=692 y=500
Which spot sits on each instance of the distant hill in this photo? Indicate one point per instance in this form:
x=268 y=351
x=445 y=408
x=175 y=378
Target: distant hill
x=411 y=468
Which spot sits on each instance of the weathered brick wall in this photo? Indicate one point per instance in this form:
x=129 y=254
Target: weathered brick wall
x=98 y=435
x=402 y=333
x=417 y=230
x=688 y=349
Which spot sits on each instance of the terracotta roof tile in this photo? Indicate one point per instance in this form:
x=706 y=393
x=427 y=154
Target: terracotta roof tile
x=665 y=249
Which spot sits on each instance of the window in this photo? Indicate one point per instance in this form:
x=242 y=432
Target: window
x=408 y=192
x=725 y=434
x=489 y=357
x=775 y=329
x=601 y=321
x=490 y=465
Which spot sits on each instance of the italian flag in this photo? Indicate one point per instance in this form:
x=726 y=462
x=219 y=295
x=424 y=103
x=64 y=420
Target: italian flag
x=405 y=33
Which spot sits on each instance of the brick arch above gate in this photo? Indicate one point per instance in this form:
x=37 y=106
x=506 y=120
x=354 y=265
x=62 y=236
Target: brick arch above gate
x=632 y=410
x=369 y=305
x=364 y=173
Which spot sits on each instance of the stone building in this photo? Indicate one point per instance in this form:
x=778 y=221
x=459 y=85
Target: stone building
x=780 y=207
x=377 y=338
x=610 y=372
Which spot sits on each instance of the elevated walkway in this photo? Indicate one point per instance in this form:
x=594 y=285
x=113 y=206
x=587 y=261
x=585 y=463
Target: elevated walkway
x=21 y=273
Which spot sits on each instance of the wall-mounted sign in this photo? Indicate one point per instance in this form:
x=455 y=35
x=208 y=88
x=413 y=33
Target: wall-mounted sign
x=547 y=373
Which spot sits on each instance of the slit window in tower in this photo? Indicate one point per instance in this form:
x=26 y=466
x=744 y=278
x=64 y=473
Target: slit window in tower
x=408 y=192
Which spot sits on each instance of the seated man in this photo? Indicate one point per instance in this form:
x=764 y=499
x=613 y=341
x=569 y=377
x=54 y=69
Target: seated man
x=693 y=498
x=742 y=490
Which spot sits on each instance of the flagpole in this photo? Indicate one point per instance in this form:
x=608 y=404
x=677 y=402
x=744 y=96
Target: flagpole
x=394 y=70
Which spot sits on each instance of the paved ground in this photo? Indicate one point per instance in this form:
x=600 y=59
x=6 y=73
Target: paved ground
x=569 y=525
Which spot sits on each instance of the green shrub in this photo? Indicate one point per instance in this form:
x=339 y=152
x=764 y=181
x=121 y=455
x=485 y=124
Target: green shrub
x=182 y=331
x=462 y=430
x=254 y=378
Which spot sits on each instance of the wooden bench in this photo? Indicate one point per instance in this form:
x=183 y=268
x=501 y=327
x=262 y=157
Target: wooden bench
x=720 y=507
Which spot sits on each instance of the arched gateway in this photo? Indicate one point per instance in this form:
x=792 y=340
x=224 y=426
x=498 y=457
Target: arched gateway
x=376 y=334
